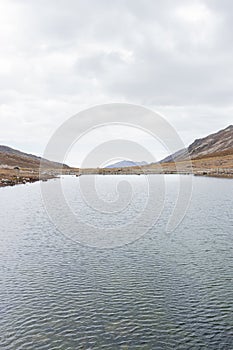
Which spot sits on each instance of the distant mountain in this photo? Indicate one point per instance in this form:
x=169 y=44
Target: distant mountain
x=11 y=157
x=126 y=163
x=217 y=144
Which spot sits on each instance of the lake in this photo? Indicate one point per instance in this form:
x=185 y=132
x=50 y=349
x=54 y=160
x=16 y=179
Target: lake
x=153 y=291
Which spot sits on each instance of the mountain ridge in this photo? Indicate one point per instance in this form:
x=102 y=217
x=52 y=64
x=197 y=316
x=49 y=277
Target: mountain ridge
x=215 y=144
x=11 y=157
x=125 y=164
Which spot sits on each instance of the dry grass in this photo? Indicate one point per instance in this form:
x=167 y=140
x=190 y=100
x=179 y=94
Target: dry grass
x=208 y=166
x=11 y=177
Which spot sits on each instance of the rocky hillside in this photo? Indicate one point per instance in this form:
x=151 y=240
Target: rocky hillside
x=126 y=163
x=215 y=145
x=10 y=157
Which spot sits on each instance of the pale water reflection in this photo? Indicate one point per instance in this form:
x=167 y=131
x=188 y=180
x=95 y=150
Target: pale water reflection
x=158 y=292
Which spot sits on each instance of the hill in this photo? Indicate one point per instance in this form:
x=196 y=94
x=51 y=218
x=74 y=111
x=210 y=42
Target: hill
x=125 y=163
x=215 y=145
x=10 y=157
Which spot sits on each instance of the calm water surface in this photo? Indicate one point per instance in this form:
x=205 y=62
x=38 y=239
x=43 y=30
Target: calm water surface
x=160 y=292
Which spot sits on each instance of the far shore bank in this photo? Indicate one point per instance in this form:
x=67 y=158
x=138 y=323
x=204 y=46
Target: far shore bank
x=12 y=177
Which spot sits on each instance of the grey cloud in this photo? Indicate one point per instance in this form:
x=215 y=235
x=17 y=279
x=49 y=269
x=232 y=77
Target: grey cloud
x=158 y=53
x=168 y=65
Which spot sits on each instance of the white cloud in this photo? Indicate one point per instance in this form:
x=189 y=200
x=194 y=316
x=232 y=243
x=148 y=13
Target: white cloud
x=59 y=57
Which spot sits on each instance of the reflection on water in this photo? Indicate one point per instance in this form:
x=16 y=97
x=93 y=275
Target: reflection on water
x=159 y=292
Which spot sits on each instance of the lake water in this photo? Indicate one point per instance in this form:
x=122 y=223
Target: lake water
x=158 y=292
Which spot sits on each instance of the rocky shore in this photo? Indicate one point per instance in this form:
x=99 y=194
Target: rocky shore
x=168 y=171
x=12 y=177
x=211 y=167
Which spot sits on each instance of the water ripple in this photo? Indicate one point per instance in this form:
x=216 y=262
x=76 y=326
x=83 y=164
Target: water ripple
x=158 y=293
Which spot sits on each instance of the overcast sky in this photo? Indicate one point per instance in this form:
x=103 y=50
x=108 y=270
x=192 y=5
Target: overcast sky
x=58 y=57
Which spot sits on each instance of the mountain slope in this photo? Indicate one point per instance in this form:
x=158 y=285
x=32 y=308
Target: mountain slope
x=126 y=163
x=217 y=144
x=13 y=158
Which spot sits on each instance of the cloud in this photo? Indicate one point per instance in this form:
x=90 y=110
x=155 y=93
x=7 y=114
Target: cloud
x=59 y=57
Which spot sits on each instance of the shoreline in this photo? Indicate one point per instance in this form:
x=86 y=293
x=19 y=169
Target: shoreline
x=12 y=177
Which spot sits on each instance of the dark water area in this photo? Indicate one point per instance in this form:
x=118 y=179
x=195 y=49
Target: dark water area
x=159 y=292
